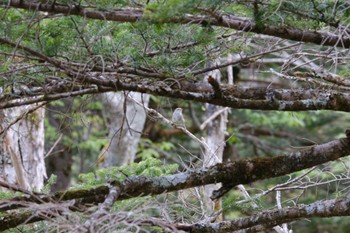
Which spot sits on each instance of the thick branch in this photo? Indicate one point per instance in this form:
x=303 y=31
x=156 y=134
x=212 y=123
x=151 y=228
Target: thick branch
x=228 y=95
x=324 y=208
x=239 y=172
x=227 y=21
x=231 y=95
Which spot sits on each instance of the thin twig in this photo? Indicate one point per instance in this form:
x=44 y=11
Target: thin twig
x=211 y=118
x=53 y=146
x=156 y=114
x=17 y=189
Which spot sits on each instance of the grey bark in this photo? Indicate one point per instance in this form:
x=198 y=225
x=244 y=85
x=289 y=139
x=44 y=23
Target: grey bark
x=216 y=142
x=323 y=208
x=225 y=20
x=22 y=148
x=127 y=120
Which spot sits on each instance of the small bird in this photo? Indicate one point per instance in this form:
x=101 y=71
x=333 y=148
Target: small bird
x=177 y=118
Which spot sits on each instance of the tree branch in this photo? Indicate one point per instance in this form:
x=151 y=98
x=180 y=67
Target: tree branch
x=234 y=173
x=324 y=209
x=226 y=20
x=231 y=95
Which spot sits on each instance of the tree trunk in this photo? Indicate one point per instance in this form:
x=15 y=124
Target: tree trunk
x=127 y=120
x=60 y=161
x=216 y=142
x=22 y=147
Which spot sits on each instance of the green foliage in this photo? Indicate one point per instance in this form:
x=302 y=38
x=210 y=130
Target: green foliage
x=14 y=22
x=231 y=204
x=49 y=183
x=345 y=72
x=233 y=138
x=6 y=195
x=150 y=167
x=4 y=66
x=171 y=8
x=83 y=118
x=148 y=153
x=160 y=45
x=148 y=149
x=280 y=119
x=334 y=224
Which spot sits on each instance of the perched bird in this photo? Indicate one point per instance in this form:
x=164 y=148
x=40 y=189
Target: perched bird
x=177 y=118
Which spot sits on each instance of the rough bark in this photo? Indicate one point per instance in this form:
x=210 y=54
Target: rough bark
x=158 y=84
x=127 y=120
x=324 y=208
x=215 y=140
x=232 y=96
x=233 y=173
x=22 y=147
x=225 y=20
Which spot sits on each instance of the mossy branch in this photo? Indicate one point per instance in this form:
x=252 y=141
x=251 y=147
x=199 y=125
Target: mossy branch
x=233 y=173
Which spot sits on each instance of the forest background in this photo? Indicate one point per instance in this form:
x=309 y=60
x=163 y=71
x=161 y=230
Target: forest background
x=92 y=136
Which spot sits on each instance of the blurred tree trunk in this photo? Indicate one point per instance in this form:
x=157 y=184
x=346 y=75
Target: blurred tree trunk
x=215 y=140
x=60 y=161
x=22 y=147
x=127 y=120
